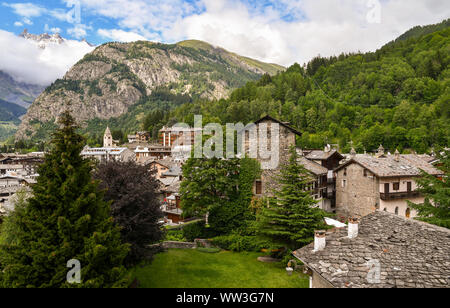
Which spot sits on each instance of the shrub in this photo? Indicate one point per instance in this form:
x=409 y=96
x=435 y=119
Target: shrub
x=194 y=230
x=238 y=243
x=175 y=236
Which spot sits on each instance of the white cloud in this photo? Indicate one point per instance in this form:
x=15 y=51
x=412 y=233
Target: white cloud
x=79 y=31
x=120 y=35
x=282 y=31
x=18 y=24
x=325 y=27
x=52 y=29
x=27 y=21
x=26 y=9
x=26 y=62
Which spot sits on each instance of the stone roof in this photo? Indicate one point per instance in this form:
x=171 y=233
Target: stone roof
x=321 y=155
x=167 y=162
x=313 y=167
x=389 y=166
x=411 y=254
x=174 y=171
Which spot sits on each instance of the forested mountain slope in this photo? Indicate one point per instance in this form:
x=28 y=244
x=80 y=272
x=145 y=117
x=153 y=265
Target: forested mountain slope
x=398 y=96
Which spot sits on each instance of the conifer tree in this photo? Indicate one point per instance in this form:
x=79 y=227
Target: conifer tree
x=436 y=207
x=290 y=218
x=67 y=218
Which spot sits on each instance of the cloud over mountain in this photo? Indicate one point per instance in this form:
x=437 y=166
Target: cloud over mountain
x=26 y=62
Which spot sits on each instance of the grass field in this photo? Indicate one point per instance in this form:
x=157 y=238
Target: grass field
x=194 y=269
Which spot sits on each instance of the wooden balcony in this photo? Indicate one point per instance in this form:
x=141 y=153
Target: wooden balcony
x=399 y=195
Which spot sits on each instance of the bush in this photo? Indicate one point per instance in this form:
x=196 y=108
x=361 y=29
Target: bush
x=175 y=236
x=238 y=243
x=194 y=230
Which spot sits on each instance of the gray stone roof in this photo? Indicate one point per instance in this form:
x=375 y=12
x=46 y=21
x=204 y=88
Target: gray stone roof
x=321 y=155
x=313 y=167
x=388 y=166
x=412 y=254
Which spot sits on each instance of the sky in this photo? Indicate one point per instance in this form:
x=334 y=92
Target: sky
x=276 y=31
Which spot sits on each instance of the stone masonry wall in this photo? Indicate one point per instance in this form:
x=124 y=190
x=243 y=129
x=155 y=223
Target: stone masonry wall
x=360 y=196
x=269 y=177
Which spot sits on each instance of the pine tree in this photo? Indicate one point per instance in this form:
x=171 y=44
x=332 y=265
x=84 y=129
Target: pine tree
x=291 y=218
x=67 y=218
x=436 y=207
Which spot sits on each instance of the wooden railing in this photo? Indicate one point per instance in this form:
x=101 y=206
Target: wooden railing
x=399 y=195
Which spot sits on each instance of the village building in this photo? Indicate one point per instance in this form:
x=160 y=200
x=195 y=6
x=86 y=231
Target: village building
x=367 y=183
x=170 y=176
x=108 y=141
x=151 y=152
x=22 y=164
x=177 y=136
x=266 y=185
x=161 y=167
x=141 y=137
x=108 y=154
x=318 y=184
x=109 y=151
x=330 y=159
x=9 y=186
x=382 y=250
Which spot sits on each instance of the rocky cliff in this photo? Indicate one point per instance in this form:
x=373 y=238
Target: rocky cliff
x=116 y=76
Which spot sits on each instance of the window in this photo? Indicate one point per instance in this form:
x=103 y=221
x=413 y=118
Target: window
x=365 y=172
x=396 y=210
x=345 y=172
x=397 y=186
x=344 y=183
x=258 y=187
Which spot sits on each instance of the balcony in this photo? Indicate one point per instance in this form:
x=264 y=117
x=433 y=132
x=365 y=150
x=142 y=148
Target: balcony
x=171 y=209
x=399 y=195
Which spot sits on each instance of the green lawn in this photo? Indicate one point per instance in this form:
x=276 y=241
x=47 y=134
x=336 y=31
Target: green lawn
x=194 y=269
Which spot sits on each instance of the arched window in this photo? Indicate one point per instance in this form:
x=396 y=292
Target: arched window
x=396 y=210
x=408 y=213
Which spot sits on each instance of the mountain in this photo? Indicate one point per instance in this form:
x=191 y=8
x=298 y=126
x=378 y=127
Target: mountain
x=19 y=93
x=10 y=112
x=115 y=77
x=419 y=31
x=398 y=96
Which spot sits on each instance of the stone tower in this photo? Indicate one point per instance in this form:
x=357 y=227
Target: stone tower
x=107 y=139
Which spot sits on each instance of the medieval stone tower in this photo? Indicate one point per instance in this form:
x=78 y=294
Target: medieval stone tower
x=107 y=139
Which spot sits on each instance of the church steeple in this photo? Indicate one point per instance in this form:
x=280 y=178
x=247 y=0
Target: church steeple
x=107 y=139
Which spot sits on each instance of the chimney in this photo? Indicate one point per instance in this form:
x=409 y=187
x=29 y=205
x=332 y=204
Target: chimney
x=353 y=153
x=353 y=227
x=320 y=240
x=397 y=156
x=380 y=152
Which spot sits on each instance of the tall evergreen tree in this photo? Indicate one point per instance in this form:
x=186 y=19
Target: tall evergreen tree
x=290 y=218
x=67 y=218
x=436 y=207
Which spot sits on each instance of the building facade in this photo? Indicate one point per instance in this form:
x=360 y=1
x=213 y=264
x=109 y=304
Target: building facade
x=367 y=183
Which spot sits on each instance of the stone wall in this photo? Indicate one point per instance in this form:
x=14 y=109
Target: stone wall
x=286 y=140
x=183 y=245
x=361 y=194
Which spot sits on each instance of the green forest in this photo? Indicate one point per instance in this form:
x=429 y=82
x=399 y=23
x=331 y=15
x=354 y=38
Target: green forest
x=398 y=96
